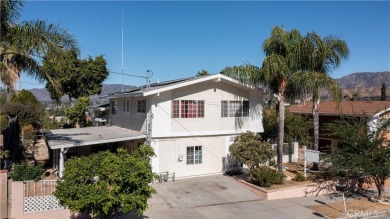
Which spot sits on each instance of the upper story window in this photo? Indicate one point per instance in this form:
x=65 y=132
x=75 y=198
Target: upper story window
x=141 y=106
x=234 y=108
x=126 y=105
x=188 y=109
x=114 y=107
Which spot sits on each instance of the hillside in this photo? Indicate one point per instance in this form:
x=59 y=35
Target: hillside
x=364 y=83
x=44 y=96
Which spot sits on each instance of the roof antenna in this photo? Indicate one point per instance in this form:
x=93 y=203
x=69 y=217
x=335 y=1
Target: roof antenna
x=122 y=51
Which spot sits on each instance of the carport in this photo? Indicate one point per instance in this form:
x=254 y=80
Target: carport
x=61 y=140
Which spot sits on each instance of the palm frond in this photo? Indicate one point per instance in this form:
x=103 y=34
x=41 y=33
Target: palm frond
x=9 y=14
x=245 y=73
x=39 y=38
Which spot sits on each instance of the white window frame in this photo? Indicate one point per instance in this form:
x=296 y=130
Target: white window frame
x=194 y=155
x=234 y=108
x=177 y=109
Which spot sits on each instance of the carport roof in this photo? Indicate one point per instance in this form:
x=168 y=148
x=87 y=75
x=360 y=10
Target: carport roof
x=65 y=138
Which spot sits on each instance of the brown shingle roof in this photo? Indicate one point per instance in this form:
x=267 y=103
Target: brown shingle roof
x=346 y=108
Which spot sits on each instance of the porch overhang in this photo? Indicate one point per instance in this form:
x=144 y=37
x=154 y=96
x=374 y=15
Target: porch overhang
x=76 y=137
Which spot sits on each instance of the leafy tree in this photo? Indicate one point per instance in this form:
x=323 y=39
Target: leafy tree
x=24 y=171
x=26 y=107
x=296 y=127
x=361 y=151
x=3 y=123
x=49 y=122
x=250 y=150
x=320 y=57
x=202 y=73
x=355 y=96
x=383 y=92
x=105 y=182
x=78 y=78
x=270 y=124
x=3 y=96
x=24 y=97
x=23 y=44
x=76 y=113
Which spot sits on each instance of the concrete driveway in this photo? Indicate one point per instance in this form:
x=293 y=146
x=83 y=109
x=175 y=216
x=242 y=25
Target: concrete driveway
x=218 y=197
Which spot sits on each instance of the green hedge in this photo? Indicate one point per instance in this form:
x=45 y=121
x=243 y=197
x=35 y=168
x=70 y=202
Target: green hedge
x=24 y=171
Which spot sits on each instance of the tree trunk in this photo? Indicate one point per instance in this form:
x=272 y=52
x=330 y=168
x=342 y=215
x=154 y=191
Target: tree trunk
x=10 y=91
x=279 y=150
x=316 y=123
x=111 y=214
x=380 y=185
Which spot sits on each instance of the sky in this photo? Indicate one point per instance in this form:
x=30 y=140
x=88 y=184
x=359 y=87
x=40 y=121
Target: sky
x=176 y=39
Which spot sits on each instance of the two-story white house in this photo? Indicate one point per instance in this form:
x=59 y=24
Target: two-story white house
x=189 y=122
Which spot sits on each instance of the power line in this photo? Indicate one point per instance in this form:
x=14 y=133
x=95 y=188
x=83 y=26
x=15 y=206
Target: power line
x=130 y=75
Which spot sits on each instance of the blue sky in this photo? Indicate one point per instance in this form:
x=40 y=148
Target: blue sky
x=176 y=39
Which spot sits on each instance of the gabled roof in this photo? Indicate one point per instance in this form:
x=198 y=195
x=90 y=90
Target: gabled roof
x=178 y=83
x=346 y=108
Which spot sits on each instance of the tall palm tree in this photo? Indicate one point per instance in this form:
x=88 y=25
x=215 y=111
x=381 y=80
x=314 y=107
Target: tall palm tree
x=23 y=45
x=282 y=62
x=321 y=56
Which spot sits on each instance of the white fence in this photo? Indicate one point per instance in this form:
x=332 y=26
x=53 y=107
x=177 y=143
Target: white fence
x=290 y=152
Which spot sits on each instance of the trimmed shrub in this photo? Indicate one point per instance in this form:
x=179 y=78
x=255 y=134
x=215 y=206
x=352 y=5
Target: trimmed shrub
x=299 y=177
x=266 y=177
x=24 y=171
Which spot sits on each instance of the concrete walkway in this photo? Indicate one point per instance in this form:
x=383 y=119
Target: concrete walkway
x=220 y=197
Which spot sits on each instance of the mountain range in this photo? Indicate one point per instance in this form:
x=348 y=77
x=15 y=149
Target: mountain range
x=365 y=84
x=43 y=96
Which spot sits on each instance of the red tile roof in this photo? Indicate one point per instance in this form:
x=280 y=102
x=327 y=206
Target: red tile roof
x=346 y=108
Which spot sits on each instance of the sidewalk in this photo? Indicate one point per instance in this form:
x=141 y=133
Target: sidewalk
x=329 y=199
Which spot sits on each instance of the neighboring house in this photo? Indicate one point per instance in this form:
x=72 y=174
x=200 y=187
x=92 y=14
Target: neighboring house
x=189 y=122
x=99 y=113
x=374 y=111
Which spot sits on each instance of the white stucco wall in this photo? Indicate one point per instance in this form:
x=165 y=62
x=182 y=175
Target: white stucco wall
x=131 y=120
x=212 y=123
x=213 y=149
x=171 y=136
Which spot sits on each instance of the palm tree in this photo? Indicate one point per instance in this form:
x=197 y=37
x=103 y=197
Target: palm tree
x=23 y=45
x=245 y=73
x=282 y=62
x=202 y=73
x=321 y=56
